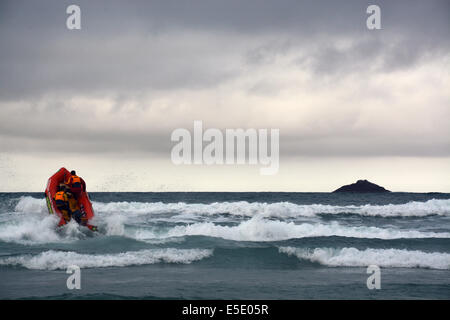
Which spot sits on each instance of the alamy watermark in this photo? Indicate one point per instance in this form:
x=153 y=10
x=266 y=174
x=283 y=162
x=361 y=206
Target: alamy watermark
x=234 y=146
x=374 y=280
x=374 y=20
x=74 y=281
x=73 y=21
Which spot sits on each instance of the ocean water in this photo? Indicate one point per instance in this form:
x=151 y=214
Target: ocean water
x=230 y=246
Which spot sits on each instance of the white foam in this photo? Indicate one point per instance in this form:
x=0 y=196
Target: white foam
x=38 y=229
x=31 y=224
x=352 y=257
x=115 y=225
x=411 y=209
x=250 y=209
x=278 y=209
x=29 y=227
x=54 y=260
x=259 y=229
x=29 y=204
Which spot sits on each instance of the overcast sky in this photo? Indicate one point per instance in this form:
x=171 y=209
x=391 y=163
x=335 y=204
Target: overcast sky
x=350 y=103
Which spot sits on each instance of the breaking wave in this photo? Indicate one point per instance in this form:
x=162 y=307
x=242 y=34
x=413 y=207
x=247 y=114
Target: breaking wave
x=250 y=209
x=39 y=230
x=279 y=209
x=28 y=228
x=258 y=229
x=54 y=260
x=352 y=257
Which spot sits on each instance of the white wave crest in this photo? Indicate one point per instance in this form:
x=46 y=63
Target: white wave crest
x=258 y=229
x=54 y=260
x=352 y=257
x=278 y=209
x=250 y=209
x=39 y=228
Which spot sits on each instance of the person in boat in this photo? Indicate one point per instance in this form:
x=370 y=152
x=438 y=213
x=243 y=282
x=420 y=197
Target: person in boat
x=62 y=202
x=75 y=209
x=76 y=184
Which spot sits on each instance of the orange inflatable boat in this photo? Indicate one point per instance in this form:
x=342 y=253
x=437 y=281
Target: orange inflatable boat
x=83 y=200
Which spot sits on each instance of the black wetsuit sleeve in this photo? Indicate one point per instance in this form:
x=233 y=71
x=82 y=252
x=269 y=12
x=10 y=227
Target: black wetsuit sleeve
x=84 y=184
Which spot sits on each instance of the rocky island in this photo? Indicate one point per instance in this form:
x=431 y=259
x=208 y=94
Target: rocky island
x=362 y=186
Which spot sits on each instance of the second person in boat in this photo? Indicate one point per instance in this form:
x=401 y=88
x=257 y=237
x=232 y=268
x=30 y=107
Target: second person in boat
x=76 y=184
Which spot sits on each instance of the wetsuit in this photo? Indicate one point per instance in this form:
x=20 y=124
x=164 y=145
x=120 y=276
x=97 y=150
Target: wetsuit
x=75 y=210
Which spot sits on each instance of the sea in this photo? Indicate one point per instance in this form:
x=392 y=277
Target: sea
x=225 y=245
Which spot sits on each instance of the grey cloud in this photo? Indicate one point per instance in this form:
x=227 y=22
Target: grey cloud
x=119 y=47
x=127 y=50
x=90 y=143
x=367 y=55
x=122 y=66
x=367 y=146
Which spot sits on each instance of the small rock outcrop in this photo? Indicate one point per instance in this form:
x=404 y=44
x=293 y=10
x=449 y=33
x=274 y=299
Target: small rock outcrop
x=361 y=186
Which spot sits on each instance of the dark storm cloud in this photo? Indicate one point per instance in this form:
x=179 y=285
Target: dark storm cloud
x=119 y=48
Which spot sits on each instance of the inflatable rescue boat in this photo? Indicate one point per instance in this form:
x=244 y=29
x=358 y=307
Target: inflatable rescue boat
x=83 y=199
